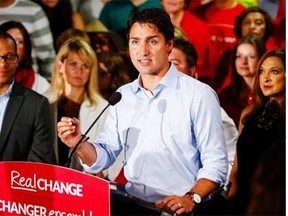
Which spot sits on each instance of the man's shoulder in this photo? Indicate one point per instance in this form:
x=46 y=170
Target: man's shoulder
x=19 y=89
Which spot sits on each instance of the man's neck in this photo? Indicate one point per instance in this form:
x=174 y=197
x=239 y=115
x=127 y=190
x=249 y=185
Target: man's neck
x=4 y=88
x=6 y=3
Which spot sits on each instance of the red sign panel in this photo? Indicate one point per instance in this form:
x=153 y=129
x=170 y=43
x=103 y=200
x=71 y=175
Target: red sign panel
x=38 y=189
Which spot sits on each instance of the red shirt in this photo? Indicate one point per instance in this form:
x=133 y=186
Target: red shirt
x=198 y=34
x=221 y=26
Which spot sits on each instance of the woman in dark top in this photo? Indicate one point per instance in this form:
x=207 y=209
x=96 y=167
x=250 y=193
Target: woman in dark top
x=263 y=124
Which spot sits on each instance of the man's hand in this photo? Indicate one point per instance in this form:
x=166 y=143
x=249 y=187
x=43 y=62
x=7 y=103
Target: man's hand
x=69 y=131
x=175 y=204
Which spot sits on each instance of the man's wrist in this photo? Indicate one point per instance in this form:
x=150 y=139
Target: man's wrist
x=196 y=198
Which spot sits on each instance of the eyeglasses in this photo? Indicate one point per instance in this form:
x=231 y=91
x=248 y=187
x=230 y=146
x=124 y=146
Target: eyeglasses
x=9 y=59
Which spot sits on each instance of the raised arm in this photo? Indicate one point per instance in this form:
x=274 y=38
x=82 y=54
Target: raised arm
x=70 y=133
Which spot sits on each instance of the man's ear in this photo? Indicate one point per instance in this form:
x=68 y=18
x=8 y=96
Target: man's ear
x=60 y=66
x=193 y=72
x=170 y=46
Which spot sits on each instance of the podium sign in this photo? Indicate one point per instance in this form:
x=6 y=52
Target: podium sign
x=37 y=189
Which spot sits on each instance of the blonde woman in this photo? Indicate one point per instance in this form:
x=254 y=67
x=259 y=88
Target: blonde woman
x=74 y=92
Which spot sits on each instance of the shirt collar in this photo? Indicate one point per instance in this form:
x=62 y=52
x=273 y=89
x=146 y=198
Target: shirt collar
x=8 y=92
x=170 y=79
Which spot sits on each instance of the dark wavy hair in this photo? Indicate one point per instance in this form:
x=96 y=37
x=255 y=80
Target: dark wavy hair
x=269 y=30
x=154 y=16
x=27 y=61
x=260 y=99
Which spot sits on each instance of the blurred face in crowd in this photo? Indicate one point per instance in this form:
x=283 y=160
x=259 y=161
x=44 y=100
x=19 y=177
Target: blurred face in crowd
x=173 y=6
x=148 y=49
x=18 y=37
x=272 y=78
x=178 y=58
x=101 y=42
x=254 y=24
x=104 y=77
x=75 y=71
x=8 y=63
x=246 y=60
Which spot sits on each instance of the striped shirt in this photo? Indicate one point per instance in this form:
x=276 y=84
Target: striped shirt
x=31 y=15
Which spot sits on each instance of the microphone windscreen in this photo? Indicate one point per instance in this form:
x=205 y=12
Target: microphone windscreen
x=162 y=106
x=115 y=98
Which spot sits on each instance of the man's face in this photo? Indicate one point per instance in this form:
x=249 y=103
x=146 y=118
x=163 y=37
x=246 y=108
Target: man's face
x=7 y=70
x=178 y=58
x=148 y=49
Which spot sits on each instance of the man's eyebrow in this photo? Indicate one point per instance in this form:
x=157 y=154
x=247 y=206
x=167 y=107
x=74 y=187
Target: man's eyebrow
x=146 y=38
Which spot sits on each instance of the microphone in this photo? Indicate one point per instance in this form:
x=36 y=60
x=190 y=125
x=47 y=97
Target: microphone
x=114 y=99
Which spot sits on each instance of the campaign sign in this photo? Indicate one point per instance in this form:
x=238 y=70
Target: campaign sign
x=37 y=189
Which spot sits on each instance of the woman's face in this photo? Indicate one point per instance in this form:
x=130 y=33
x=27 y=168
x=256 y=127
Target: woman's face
x=272 y=78
x=18 y=37
x=246 y=60
x=254 y=24
x=76 y=71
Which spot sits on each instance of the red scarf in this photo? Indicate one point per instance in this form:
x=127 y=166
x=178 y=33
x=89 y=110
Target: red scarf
x=25 y=77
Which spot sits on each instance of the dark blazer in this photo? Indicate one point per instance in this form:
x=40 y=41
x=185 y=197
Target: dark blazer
x=26 y=133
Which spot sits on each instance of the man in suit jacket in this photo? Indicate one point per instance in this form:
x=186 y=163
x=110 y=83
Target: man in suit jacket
x=25 y=123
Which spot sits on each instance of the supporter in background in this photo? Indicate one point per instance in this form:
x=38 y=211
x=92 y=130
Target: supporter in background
x=61 y=16
x=240 y=93
x=252 y=21
x=262 y=124
x=74 y=92
x=25 y=74
x=25 y=124
x=112 y=72
x=255 y=21
x=219 y=16
x=69 y=33
x=196 y=31
x=184 y=56
x=115 y=14
x=102 y=39
x=35 y=21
